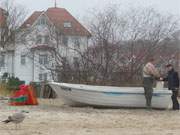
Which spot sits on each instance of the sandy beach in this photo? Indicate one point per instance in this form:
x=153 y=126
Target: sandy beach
x=52 y=117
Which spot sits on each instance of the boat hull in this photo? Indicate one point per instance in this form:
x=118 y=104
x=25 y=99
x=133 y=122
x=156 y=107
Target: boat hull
x=106 y=96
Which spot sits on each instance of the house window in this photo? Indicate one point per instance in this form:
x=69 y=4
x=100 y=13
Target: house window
x=23 y=59
x=46 y=39
x=76 y=62
x=39 y=39
x=64 y=59
x=77 y=43
x=40 y=77
x=64 y=62
x=43 y=77
x=42 y=21
x=43 y=59
x=67 y=25
x=65 y=40
x=2 y=60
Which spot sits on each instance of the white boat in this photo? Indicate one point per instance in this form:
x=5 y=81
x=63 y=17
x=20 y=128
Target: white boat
x=107 y=96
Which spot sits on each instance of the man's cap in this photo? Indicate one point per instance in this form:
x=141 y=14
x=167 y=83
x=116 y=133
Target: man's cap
x=169 y=65
x=151 y=59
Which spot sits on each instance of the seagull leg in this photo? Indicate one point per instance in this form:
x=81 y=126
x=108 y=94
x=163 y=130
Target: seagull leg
x=17 y=126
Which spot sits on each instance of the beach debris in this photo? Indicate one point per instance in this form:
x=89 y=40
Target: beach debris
x=4 y=98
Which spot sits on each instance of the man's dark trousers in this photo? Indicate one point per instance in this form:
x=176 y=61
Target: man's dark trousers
x=174 y=99
x=148 y=90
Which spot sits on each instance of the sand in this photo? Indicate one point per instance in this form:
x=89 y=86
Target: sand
x=54 y=118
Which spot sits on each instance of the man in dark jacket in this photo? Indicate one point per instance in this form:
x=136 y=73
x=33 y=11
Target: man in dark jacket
x=173 y=84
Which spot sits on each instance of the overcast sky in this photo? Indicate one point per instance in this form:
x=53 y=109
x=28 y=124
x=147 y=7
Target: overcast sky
x=79 y=8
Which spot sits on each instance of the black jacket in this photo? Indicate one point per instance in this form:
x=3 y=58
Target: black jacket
x=173 y=80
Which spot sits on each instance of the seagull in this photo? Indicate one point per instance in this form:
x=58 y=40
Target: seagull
x=16 y=118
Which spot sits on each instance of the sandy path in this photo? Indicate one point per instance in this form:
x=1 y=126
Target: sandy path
x=52 y=119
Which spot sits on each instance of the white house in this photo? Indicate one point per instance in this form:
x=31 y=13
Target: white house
x=41 y=37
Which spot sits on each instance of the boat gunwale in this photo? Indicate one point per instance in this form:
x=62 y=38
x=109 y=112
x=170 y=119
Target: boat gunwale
x=69 y=88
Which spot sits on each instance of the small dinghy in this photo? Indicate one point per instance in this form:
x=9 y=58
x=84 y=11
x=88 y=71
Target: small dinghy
x=107 y=96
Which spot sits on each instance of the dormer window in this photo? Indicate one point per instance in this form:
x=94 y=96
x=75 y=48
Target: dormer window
x=42 y=21
x=67 y=25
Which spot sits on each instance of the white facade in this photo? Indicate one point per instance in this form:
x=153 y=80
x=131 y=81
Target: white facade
x=32 y=55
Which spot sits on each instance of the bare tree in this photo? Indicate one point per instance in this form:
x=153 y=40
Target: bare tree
x=13 y=16
x=105 y=30
x=143 y=30
x=121 y=43
x=137 y=33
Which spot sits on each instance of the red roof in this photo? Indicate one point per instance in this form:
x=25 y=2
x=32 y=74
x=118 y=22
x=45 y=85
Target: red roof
x=31 y=19
x=58 y=16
